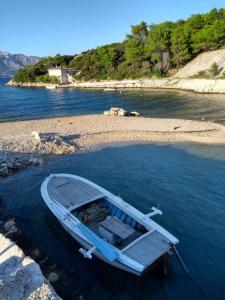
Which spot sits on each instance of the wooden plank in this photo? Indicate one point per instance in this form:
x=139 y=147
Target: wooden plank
x=148 y=249
x=117 y=227
x=71 y=192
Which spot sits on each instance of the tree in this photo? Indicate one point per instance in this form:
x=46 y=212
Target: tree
x=158 y=45
x=180 y=45
x=210 y=37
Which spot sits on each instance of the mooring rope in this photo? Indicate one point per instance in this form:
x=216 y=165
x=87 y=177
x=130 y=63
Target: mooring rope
x=184 y=267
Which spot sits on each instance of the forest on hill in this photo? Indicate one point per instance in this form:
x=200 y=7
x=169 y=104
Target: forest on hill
x=148 y=51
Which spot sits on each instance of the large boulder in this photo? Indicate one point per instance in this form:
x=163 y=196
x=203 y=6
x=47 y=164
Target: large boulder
x=116 y=111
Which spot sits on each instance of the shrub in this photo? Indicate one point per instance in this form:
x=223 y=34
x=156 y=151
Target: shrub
x=214 y=69
x=201 y=74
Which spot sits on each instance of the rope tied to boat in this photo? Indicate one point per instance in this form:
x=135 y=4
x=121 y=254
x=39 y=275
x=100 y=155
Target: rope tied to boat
x=188 y=274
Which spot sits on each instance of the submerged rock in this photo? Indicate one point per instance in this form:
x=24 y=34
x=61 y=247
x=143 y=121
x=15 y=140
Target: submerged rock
x=53 y=277
x=4 y=171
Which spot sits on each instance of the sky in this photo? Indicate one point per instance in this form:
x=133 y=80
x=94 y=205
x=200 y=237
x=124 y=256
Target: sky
x=48 y=27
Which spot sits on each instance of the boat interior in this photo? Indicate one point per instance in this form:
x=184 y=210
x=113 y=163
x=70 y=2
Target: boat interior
x=95 y=210
x=109 y=222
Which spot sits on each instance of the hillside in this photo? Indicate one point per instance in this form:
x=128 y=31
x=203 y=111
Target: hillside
x=11 y=63
x=149 y=51
x=201 y=65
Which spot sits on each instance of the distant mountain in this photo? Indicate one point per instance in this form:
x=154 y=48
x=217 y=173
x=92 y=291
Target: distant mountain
x=11 y=63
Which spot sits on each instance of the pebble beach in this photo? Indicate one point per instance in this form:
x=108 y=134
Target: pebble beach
x=82 y=132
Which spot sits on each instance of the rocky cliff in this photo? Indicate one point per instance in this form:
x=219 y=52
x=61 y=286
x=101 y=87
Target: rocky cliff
x=11 y=63
x=202 y=63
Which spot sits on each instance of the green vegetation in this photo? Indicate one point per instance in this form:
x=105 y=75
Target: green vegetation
x=212 y=72
x=148 y=51
x=38 y=72
x=214 y=69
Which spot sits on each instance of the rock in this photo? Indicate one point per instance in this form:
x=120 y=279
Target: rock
x=4 y=171
x=19 y=166
x=3 y=164
x=116 y=111
x=53 y=277
x=10 y=165
x=21 y=277
x=36 y=136
x=35 y=253
x=121 y=112
x=9 y=224
x=36 y=161
x=43 y=261
x=135 y=114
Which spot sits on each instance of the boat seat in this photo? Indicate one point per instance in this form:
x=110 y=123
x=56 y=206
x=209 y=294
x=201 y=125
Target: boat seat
x=123 y=216
x=113 y=210
x=132 y=223
x=117 y=212
x=128 y=220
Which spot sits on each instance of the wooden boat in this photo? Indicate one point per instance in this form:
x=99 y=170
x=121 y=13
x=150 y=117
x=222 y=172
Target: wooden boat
x=105 y=225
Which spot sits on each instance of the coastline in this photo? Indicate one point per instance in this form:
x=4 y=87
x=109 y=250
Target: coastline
x=204 y=86
x=30 y=143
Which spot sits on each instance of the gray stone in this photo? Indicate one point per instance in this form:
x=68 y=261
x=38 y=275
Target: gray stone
x=135 y=114
x=53 y=277
x=4 y=171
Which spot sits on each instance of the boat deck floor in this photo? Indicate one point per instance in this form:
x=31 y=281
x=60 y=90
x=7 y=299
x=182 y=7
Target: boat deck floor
x=72 y=193
x=148 y=248
x=95 y=227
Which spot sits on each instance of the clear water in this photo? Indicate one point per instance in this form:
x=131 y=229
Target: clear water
x=24 y=103
x=188 y=183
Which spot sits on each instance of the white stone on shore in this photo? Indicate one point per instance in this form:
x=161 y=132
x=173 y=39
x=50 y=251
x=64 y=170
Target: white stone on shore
x=116 y=111
x=36 y=136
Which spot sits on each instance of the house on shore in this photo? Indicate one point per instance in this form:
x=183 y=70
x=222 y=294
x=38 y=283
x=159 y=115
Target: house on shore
x=64 y=75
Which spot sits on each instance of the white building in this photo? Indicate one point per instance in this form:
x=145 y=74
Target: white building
x=65 y=75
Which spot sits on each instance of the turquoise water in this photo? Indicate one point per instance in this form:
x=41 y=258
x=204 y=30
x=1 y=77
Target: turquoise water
x=24 y=103
x=188 y=184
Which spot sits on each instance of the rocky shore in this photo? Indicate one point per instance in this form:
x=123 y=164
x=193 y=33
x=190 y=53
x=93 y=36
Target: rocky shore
x=211 y=86
x=20 y=276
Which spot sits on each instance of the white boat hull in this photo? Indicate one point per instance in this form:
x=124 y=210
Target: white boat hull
x=125 y=260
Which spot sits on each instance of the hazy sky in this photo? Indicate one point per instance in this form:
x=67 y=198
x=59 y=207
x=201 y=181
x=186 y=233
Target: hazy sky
x=47 y=27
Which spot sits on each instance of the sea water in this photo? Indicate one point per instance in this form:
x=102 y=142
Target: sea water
x=187 y=184
x=32 y=103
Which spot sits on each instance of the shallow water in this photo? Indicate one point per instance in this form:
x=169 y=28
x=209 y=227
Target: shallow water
x=188 y=184
x=25 y=103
